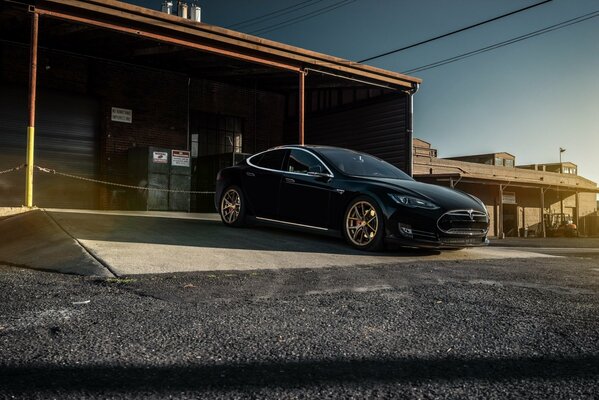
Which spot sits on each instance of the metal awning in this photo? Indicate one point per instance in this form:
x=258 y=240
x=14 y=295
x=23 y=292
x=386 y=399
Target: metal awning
x=190 y=46
x=459 y=177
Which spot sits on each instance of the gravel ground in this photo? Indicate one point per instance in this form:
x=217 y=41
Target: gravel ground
x=471 y=329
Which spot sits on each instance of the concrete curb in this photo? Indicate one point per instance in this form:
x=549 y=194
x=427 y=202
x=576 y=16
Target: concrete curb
x=34 y=240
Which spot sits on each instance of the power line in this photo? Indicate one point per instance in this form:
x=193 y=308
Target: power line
x=276 y=13
x=548 y=29
x=302 y=18
x=454 y=32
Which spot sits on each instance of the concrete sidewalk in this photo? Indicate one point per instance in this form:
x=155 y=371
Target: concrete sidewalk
x=129 y=243
x=563 y=242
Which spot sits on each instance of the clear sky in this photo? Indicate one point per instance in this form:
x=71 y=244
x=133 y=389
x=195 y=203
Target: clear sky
x=529 y=98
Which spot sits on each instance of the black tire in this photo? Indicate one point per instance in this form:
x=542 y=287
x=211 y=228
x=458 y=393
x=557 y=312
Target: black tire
x=359 y=232
x=232 y=212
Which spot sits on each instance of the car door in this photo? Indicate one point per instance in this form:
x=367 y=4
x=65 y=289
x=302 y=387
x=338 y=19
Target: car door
x=305 y=197
x=261 y=182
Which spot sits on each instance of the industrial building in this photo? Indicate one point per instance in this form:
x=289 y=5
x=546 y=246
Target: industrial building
x=518 y=198
x=96 y=81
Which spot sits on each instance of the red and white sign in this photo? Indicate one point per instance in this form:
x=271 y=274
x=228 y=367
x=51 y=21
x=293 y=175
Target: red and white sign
x=180 y=158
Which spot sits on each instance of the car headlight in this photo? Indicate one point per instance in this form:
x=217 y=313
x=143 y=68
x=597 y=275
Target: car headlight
x=413 y=202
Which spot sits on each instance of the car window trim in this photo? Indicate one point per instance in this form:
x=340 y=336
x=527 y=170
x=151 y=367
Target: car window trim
x=249 y=161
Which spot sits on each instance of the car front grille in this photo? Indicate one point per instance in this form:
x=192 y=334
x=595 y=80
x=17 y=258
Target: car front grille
x=463 y=241
x=464 y=222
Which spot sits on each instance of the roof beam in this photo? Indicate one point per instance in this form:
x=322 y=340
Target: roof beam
x=233 y=40
x=167 y=39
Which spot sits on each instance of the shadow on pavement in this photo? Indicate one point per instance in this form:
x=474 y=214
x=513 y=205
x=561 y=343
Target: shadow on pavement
x=290 y=374
x=208 y=234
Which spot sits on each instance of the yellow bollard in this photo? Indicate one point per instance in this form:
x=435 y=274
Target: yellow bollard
x=29 y=173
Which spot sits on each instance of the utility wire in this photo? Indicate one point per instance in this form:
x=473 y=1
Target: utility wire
x=548 y=29
x=302 y=18
x=275 y=14
x=454 y=32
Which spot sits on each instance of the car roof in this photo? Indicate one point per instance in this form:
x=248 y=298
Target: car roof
x=310 y=146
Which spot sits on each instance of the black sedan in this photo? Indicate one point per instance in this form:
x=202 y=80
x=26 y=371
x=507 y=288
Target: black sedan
x=340 y=191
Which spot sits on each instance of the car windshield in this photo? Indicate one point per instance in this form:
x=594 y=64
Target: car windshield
x=361 y=164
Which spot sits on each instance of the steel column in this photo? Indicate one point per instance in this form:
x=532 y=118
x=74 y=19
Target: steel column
x=543 y=213
x=500 y=233
x=577 y=203
x=410 y=130
x=32 y=97
x=302 y=108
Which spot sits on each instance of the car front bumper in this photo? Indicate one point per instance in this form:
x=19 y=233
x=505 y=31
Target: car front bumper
x=424 y=231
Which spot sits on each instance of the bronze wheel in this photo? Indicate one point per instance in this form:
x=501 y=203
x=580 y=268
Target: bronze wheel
x=231 y=207
x=363 y=226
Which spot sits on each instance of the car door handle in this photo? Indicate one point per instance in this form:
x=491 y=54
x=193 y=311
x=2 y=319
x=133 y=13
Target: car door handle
x=289 y=180
x=250 y=174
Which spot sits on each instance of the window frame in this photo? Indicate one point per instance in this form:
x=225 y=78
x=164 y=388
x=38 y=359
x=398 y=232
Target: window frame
x=286 y=162
x=283 y=161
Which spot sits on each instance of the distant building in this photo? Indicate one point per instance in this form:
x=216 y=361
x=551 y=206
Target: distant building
x=563 y=168
x=497 y=159
x=518 y=198
x=423 y=149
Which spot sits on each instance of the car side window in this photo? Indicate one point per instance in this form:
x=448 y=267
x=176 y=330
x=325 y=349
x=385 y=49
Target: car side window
x=303 y=162
x=271 y=159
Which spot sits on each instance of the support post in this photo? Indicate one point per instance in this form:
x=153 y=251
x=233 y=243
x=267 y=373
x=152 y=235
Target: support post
x=32 y=97
x=302 y=108
x=410 y=129
x=543 y=229
x=501 y=233
x=577 y=202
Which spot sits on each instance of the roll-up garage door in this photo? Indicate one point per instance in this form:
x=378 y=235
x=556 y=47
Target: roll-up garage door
x=66 y=139
x=376 y=126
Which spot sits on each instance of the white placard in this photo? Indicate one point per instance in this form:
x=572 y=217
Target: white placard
x=509 y=198
x=180 y=158
x=121 y=115
x=160 y=157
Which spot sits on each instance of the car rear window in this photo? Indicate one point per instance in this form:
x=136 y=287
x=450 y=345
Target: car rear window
x=272 y=159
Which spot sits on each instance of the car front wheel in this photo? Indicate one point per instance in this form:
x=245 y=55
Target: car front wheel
x=232 y=207
x=363 y=224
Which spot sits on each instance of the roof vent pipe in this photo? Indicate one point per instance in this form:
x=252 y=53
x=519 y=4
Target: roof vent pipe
x=195 y=13
x=167 y=7
x=182 y=9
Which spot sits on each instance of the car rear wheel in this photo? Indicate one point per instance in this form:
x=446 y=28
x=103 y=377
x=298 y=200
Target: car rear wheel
x=363 y=224
x=232 y=207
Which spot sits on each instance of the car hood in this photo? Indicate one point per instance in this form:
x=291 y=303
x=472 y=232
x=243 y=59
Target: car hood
x=449 y=199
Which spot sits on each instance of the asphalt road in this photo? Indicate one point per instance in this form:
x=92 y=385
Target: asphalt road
x=520 y=328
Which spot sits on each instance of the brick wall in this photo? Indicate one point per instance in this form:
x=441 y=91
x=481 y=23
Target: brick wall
x=159 y=104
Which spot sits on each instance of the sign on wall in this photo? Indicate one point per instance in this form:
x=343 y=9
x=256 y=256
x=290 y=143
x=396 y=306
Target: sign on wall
x=180 y=158
x=160 y=157
x=121 y=115
x=509 y=198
